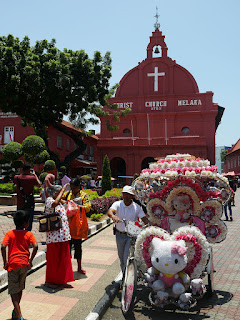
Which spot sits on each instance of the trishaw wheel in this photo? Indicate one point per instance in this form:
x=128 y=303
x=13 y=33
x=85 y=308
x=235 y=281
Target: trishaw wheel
x=210 y=271
x=129 y=287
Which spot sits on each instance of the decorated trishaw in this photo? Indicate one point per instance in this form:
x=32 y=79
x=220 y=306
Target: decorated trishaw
x=184 y=196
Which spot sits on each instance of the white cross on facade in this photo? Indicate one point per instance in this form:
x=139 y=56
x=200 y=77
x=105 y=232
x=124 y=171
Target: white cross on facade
x=156 y=75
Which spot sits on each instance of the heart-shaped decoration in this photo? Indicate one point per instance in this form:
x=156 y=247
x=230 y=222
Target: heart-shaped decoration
x=196 y=243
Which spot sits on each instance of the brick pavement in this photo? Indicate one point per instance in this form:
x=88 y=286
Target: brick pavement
x=101 y=263
x=41 y=303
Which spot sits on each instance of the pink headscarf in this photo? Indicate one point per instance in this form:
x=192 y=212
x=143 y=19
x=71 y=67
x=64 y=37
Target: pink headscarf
x=48 y=182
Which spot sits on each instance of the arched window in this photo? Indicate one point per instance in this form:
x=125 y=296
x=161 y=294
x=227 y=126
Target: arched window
x=126 y=132
x=185 y=130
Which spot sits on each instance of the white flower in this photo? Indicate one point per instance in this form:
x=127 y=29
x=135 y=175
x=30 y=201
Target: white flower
x=165 y=165
x=181 y=164
x=200 y=163
x=206 y=163
x=187 y=163
x=145 y=175
x=168 y=173
x=208 y=174
x=203 y=173
x=194 y=163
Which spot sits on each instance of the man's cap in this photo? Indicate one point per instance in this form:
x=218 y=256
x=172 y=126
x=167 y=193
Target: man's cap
x=128 y=189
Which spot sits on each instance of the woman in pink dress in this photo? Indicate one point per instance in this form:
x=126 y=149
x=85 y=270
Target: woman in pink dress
x=59 y=267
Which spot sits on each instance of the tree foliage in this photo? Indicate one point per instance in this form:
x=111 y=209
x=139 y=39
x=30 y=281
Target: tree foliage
x=49 y=165
x=33 y=145
x=106 y=175
x=223 y=154
x=12 y=151
x=42 y=84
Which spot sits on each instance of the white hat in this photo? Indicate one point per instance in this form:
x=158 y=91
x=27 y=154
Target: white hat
x=128 y=189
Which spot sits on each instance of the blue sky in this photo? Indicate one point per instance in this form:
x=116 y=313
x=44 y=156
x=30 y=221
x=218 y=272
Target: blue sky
x=202 y=36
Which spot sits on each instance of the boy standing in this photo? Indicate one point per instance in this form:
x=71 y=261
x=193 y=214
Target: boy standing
x=18 y=261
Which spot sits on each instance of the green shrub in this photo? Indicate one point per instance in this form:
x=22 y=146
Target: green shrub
x=101 y=205
x=96 y=217
x=42 y=176
x=33 y=145
x=12 y=151
x=17 y=164
x=116 y=192
x=49 y=165
x=91 y=194
x=37 y=190
x=86 y=177
x=7 y=188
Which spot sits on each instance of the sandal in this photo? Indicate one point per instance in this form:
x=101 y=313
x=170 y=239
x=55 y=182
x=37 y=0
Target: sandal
x=14 y=315
x=51 y=285
x=82 y=271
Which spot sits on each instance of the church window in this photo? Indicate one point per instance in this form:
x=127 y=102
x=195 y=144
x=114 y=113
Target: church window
x=126 y=132
x=59 y=142
x=8 y=134
x=185 y=130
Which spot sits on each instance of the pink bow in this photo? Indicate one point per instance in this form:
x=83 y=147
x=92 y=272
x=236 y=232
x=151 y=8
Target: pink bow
x=176 y=248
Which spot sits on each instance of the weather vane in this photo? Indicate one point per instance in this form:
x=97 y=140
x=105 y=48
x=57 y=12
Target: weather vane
x=156 y=24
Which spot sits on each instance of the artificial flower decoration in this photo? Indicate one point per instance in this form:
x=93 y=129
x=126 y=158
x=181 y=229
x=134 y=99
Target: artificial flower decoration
x=176 y=192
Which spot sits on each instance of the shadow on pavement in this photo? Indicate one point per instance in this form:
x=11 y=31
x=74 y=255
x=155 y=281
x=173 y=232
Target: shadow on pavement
x=143 y=307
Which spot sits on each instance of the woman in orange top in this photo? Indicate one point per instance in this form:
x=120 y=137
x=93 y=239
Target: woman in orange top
x=75 y=225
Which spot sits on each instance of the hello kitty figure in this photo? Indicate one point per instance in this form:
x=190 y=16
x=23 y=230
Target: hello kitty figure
x=168 y=260
x=197 y=287
x=182 y=207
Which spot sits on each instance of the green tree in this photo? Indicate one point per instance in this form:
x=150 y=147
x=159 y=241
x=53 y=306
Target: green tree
x=223 y=155
x=106 y=175
x=12 y=151
x=34 y=150
x=49 y=165
x=42 y=84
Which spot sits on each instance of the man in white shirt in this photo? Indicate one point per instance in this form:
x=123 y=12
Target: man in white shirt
x=129 y=210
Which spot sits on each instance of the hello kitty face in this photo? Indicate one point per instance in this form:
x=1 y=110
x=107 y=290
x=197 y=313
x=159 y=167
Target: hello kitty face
x=168 y=256
x=181 y=202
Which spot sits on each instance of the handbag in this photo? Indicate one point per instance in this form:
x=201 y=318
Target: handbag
x=50 y=222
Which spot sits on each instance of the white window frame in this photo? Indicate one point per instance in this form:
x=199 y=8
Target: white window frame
x=7 y=131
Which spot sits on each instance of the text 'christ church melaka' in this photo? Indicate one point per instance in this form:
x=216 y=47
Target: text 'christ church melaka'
x=168 y=114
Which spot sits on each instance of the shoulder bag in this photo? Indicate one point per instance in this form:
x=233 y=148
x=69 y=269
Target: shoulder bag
x=50 y=222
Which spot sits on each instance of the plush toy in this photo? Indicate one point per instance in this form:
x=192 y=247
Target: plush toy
x=197 y=287
x=166 y=277
x=182 y=207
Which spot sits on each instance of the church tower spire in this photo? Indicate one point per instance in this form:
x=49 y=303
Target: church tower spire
x=157 y=39
x=156 y=24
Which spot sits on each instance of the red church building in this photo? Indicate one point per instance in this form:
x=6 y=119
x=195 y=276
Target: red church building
x=168 y=114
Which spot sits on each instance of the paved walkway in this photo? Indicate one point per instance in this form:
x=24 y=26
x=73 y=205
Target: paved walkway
x=41 y=303
x=102 y=266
